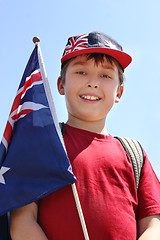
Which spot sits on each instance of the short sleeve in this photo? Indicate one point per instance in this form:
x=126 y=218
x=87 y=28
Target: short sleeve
x=149 y=191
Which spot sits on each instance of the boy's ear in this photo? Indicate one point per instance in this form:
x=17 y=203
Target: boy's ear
x=119 y=93
x=60 y=86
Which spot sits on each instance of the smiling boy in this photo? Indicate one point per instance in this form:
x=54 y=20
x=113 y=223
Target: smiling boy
x=90 y=90
x=92 y=81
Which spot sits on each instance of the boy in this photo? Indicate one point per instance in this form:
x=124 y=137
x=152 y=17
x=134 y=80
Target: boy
x=92 y=81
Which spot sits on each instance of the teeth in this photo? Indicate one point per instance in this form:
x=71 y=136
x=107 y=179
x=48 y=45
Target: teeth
x=91 y=97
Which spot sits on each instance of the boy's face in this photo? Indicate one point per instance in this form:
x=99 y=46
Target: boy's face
x=90 y=90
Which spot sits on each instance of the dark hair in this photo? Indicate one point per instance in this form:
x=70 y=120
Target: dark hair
x=98 y=57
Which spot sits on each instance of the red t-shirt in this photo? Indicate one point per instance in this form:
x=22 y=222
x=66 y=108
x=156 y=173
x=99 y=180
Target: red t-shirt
x=106 y=188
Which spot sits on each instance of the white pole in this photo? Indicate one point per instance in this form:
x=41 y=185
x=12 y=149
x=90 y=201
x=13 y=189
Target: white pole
x=52 y=108
x=48 y=93
x=80 y=213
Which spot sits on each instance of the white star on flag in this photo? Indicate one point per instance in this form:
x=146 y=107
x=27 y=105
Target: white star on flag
x=2 y=171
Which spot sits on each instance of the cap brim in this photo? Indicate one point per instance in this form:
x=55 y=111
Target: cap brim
x=123 y=58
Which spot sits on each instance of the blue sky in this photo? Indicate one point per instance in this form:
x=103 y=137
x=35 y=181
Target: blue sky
x=134 y=24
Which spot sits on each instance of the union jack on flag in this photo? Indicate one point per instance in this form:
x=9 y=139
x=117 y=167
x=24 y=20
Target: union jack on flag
x=76 y=43
x=21 y=107
x=33 y=160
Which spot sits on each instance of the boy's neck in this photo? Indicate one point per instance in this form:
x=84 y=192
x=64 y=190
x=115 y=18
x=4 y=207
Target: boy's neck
x=96 y=127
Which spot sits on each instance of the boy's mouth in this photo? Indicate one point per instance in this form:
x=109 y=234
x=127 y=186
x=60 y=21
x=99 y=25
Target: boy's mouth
x=89 y=97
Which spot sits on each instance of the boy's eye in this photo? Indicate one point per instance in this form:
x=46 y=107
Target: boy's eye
x=105 y=76
x=81 y=73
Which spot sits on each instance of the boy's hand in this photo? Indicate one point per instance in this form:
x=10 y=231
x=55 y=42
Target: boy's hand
x=149 y=228
x=23 y=224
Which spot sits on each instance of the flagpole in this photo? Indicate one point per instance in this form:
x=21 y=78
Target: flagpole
x=52 y=108
x=80 y=212
x=47 y=88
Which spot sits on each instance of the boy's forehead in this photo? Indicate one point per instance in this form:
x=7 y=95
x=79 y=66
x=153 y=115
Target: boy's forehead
x=83 y=60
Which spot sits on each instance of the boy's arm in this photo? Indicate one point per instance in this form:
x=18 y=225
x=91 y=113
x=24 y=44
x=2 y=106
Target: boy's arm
x=149 y=228
x=23 y=224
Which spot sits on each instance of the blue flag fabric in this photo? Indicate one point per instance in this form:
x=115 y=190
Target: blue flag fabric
x=33 y=160
x=4 y=228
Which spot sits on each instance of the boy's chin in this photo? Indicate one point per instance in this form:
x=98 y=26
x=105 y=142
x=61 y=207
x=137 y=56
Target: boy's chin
x=91 y=118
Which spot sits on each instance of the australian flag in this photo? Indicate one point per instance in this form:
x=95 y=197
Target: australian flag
x=33 y=160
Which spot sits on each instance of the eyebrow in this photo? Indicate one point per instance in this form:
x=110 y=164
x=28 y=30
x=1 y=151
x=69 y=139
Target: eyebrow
x=108 y=67
x=85 y=63
x=103 y=66
x=79 y=63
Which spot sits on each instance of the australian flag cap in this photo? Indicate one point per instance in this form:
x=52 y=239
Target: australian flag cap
x=95 y=42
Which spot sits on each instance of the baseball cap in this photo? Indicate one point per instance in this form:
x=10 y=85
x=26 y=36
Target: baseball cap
x=95 y=42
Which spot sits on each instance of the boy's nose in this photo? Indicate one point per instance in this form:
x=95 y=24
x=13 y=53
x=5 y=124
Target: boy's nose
x=93 y=82
x=93 y=85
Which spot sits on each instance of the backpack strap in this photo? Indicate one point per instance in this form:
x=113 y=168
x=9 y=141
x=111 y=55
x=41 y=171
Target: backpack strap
x=62 y=127
x=135 y=153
